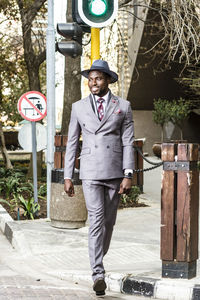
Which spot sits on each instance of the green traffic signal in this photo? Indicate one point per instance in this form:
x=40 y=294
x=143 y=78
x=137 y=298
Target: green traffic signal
x=95 y=13
x=98 y=7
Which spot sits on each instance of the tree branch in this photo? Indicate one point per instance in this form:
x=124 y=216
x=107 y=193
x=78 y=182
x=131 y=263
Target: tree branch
x=41 y=57
x=124 y=2
x=33 y=9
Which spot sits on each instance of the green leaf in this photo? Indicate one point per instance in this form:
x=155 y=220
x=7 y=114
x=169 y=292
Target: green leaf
x=5 y=201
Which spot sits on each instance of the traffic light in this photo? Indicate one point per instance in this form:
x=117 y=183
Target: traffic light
x=73 y=33
x=95 y=13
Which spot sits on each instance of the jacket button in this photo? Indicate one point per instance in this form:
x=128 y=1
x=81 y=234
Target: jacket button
x=84 y=125
x=96 y=146
x=108 y=146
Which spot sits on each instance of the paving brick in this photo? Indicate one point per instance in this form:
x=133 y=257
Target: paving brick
x=19 y=287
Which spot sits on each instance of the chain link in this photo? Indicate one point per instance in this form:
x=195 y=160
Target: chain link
x=155 y=165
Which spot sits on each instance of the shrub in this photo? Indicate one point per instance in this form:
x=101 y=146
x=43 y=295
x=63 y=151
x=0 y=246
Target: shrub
x=29 y=206
x=179 y=112
x=132 y=198
x=176 y=111
x=160 y=113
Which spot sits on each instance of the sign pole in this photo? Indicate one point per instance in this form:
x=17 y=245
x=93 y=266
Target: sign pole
x=34 y=153
x=51 y=98
x=32 y=107
x=95 y=44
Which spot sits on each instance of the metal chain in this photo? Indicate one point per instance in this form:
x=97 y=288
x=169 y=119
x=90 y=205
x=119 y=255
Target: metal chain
x=148 y=169
x=156 y=165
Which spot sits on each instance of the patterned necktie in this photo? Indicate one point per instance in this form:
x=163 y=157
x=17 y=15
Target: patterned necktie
x=100 y=108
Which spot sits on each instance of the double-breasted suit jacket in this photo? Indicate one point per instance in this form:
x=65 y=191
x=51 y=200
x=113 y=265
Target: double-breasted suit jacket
x=107 y=147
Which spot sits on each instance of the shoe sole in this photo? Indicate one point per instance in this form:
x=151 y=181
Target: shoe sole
x=100 y=294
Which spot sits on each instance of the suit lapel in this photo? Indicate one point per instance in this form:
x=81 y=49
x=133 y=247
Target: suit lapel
x=92 y=103
x=113 y=103
x=89 y=108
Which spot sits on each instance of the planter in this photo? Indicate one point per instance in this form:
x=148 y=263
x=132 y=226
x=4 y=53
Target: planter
x=157 y=146
x=66 y=212
x=169 y=128
x=157 y=149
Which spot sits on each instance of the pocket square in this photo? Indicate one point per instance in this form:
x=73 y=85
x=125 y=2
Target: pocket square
x=117 y=112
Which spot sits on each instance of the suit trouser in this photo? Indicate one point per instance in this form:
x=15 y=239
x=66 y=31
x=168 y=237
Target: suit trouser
x=102 y=201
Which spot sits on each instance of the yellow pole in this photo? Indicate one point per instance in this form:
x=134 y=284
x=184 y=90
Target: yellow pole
x=95 y=44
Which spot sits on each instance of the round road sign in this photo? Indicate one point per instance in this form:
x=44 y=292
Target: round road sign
x=32 y=106
x=25 y=137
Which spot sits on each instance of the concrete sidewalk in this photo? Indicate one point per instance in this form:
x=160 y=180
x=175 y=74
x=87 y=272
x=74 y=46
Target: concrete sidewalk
x=132 y=264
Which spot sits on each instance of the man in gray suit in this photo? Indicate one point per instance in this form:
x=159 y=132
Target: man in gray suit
x=106 y=160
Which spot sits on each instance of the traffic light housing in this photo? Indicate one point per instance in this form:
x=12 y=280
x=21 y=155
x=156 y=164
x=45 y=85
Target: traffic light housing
x=73 y=45
x=95 y=13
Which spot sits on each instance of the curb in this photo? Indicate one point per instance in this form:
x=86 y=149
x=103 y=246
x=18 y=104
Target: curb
x=13 y=233
x=164 y=288
x=169 y=289
x=139 y=286
x=196 y=292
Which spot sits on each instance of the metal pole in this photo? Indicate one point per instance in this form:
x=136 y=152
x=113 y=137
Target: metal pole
x=34 y=154
x=50 y=98
x=95 y=44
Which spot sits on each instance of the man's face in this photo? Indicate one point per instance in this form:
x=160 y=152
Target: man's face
x=98 y=83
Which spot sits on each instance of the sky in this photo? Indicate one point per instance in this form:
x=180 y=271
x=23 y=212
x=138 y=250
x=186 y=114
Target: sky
x=59 y=17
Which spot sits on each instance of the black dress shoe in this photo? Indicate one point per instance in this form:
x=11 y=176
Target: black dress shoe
x=101 y=293
x=99 y=287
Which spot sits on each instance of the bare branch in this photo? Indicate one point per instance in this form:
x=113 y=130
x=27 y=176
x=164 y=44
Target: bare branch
x=124 y=2
x=34 y=8
x=182 y=30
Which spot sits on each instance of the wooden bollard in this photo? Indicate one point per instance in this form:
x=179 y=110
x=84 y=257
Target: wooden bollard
x=60 y=146
x=60 y=142
x=138 y=176
x=179 y=210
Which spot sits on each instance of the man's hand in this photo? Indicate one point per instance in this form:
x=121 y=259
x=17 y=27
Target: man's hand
x=125 y=186
x=69 y=187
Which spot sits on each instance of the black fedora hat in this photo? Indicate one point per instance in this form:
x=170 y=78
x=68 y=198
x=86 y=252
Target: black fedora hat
x=101 y=65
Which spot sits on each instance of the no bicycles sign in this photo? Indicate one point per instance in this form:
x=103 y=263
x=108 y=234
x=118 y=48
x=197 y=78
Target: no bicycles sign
x=32 y=106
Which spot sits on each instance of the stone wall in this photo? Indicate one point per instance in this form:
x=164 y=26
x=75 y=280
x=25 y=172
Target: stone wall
x=146 y=128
